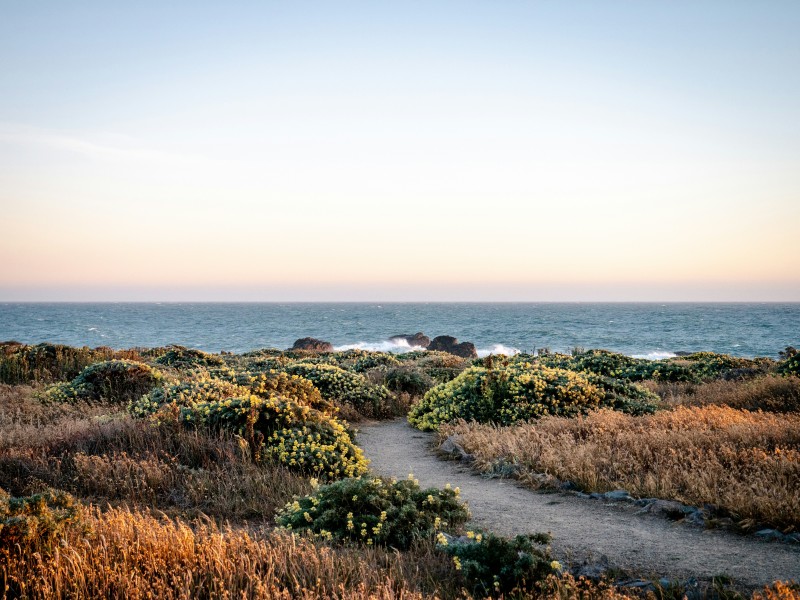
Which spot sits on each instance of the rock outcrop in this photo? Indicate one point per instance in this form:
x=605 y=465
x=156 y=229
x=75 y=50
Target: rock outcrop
x=312 y=345
x=415 y=339
x=447 y=343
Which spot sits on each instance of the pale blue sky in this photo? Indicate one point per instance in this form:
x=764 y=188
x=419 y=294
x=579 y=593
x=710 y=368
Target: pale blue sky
x=406 y=150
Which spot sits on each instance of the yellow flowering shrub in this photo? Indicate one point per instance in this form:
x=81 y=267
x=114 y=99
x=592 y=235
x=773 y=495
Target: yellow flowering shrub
x=283 y=430
x=375 y=511
x=345 y=387
x=186 y=393
x=522 y=391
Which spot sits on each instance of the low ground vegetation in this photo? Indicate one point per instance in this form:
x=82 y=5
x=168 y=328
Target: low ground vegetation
x=175 y=473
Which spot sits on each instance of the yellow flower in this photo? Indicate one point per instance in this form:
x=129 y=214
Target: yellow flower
x=441 y=539
x=457 y=563
x=471 y=535
x=555 y=565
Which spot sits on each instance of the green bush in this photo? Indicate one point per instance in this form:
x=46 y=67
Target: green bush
x=118 y=381
x=408 y=380
x=282 y=430
x=374 y=360
x=710 y=365
x=517 y=391
x=375 y=511
x=341 y=386
x=39 y=520
x=790 y=365
x=182 y=358
x=492 y=565
x=49 y=362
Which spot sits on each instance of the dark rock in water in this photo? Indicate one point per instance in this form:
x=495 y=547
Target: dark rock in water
x=568 y=485
x=415 y=339
x=683 y=353
x=447 y=343
x=313 y=345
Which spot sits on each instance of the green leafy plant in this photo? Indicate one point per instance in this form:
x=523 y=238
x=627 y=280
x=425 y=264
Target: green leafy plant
x=790 y=365
x=118 y=381
x=38 y=520
x=409 y=380
x=375 y=511
x=492 y=565
x=182 y=358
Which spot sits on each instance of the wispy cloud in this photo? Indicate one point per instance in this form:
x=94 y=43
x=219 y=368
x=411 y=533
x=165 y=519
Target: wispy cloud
x=103 y=146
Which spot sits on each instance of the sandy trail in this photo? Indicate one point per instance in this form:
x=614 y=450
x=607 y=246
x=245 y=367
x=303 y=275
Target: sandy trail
x=647 y=545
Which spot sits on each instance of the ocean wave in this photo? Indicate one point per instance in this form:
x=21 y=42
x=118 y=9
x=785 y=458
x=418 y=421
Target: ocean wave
x=397 y=346
x=658 y=355
x=497 y=349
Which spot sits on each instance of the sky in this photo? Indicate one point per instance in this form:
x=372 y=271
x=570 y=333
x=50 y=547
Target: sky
x=400 y=151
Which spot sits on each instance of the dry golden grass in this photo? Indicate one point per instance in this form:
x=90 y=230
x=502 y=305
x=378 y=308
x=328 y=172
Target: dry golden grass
x=771 y=393
x=745 y=462
x=124 y=554
x=132 y=555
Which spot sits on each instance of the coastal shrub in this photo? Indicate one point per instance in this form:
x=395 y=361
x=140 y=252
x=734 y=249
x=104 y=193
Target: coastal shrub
x=39 y=520
x=279 y=383
x=117 y=381
x=790 y=365
x=182 y=358
x=46 y=363
x=408 y=380
x=184 y=394
x=441 y=366
x=345 y=387
x=513 y=391
x=282 y=430
x=710 y=365
x=375 y=511
x=374 y=360
x=492 y=565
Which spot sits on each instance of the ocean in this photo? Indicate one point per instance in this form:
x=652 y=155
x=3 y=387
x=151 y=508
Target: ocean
x=650 y=330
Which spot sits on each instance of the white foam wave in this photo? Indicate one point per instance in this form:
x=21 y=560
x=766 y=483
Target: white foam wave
x=398 y=346
x=497 y=349
x=655 y=355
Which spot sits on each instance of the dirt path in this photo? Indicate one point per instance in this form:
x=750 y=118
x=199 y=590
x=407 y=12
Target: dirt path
x=582 y=529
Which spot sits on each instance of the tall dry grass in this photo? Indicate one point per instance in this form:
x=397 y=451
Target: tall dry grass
x=745 y=462
x=103 y=456
x=132 y=555
x=771 y=393
x=124 y=554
